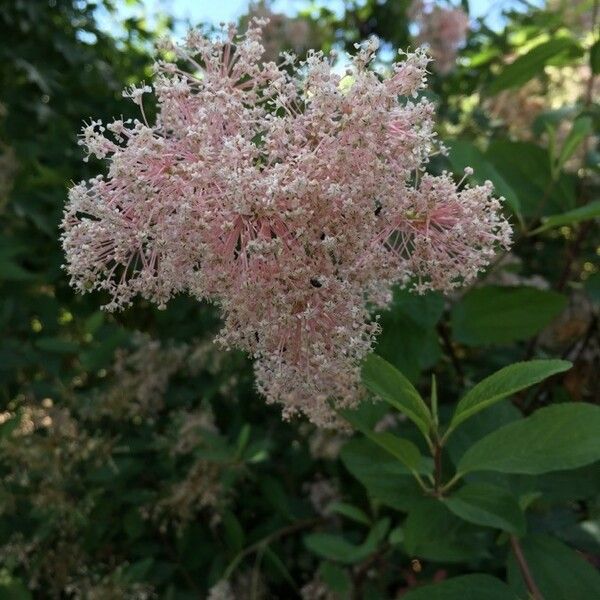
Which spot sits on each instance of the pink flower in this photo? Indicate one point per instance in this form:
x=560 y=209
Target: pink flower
x=443 y=237
x=443 y=30
x=285 y=197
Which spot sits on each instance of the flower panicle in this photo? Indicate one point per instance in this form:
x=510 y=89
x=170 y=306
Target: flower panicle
x=285 y=194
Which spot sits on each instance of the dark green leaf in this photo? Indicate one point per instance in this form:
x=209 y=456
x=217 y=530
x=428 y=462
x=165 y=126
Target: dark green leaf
x=583 y=213
x=335 y=578
x=404 y=450
x=580 y=129
x=234 y=533
x=57 y=345
x=532 y=179
x=530 y=64
x=504 y=383
x=559 y=572
x=12 y=588
x=480 y=425
x=465 y=587
x=385 y=478
x=463 y=153
x=273 y=559
x=409 y=341
x=337 y=548
x=563 y=436
x=489 y=506
x=349 y=511
x=390 y=385
x=432 y=532
x=499 y=315
x=592 y=287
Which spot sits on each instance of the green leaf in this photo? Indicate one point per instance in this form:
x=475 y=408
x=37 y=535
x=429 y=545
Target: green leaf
x=57 y=345
x=390 y=385
x=350 y=511
x=504 y=383
x=465 y=587
x=133 y=524
x=595 y=57
x=404 y=450
x=563 y=436
x=273 y=559
x=531 y=179
x=233 y=532
x=582 y=213
x=12 y=588
x=386 y=479
x=581 y=128
x=139 y=570
x=432 y=532
x=334 y=547
x=592 y=287
x=559 y=572
x=487 y=505
x=8 y=426
x=478 y=426
x=12 y=271
x=500 y=315
x=396 y=536
x=409 y=341
x=336 y=579
x=463 y=153
x=530 y=64
x=337 y=548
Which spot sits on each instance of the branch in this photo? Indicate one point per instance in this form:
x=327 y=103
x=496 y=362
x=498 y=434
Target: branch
x=534 y=590
x=268 y=539
x=442 y=329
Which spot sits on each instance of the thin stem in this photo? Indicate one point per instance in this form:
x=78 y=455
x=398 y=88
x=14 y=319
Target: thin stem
x=437 y=472
x=176 y=558
x=420 y=482
x=267 y=540
x=447 y=342
x=256 y=573
x=450 y=484
x=534 y=590
x=572 y=254
x=363 y=568
x=589 y=92
x=434 y=402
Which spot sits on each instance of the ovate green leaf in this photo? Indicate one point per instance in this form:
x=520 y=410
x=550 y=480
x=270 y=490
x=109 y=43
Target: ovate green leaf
x=500 y=315
x=530 y=64
x=563 y=436
x=559 y=572
x=465 y=587
x=582 y=213
x=385 y=478
x=390 y=385
x=487 y=505
x=503 y=383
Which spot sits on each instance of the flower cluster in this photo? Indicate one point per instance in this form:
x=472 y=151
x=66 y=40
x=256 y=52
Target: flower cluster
x=292 y=196
x=443 y=29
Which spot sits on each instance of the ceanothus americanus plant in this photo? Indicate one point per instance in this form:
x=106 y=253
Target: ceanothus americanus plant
x=292 y=196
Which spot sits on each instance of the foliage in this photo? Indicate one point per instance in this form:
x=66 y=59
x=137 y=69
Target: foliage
x=137 y=459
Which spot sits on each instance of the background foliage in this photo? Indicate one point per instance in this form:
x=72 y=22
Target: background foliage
x=137 y=460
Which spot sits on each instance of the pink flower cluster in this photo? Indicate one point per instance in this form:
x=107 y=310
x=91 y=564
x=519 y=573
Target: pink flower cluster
x=443 y=30
x=290 y=195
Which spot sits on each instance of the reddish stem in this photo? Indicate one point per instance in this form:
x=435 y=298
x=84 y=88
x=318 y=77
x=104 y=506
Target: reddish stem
x=534 y=590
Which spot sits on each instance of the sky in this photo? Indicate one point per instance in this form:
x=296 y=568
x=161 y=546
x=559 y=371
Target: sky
x=216 y=11
x=227 y=10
